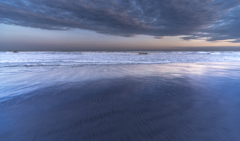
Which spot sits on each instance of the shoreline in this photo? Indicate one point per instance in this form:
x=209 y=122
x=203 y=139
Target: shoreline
x=174 y=102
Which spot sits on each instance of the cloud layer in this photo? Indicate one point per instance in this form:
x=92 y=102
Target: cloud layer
x=195 y=19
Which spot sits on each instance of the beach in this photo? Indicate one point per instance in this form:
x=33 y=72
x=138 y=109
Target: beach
x=119 y=70
x=175 y=102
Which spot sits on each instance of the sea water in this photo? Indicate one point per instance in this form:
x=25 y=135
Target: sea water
x=40 y=61
x=175 y=96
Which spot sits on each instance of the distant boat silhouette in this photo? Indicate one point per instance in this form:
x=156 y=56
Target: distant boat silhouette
x=143 y=53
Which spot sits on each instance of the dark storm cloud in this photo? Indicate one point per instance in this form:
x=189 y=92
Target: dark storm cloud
x=210 y=19
x=225 y=28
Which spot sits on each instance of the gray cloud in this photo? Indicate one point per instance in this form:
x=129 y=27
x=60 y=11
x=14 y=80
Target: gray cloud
x=195 y=19
x=227 y=27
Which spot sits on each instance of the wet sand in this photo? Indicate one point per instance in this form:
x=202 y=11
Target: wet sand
x=168 y=102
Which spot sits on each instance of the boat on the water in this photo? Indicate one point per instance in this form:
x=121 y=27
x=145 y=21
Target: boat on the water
x=142 y=53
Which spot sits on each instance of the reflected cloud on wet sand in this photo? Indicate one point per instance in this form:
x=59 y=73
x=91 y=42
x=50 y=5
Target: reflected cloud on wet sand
x=176 y=102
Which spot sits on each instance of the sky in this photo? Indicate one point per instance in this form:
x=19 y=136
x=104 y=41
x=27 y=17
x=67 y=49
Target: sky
x=119 y=25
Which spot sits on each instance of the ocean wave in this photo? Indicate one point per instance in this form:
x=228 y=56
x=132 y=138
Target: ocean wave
x=55 y=59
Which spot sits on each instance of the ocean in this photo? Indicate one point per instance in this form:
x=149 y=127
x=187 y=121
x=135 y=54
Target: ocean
x=38 y=61
x=94 y=96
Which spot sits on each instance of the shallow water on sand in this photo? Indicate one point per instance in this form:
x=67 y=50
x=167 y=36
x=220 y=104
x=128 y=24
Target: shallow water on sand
x=175 y=102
